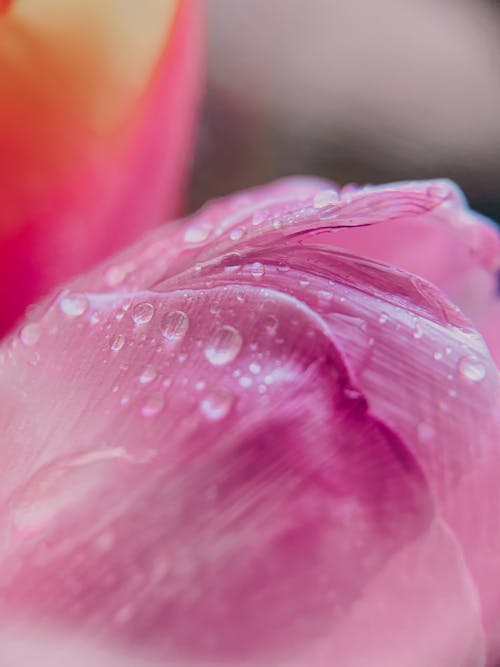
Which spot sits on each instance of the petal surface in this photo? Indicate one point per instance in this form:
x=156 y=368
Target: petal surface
x=236 y=442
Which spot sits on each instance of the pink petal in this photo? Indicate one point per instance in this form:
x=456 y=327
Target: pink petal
x=232 y=443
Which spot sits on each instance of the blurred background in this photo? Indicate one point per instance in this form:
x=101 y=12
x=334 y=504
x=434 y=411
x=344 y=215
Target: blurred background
x=354 y=90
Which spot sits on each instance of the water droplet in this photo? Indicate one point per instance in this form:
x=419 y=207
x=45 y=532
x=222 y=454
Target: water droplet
x=472 y=368
x=425 y=432
x=246 y=382
x=417 y=331
x=200 y=385
x=283 y=266
x=216 y=405
x=114 y=275
x=148 y=374
x=153 y=405
x=254 y=368
x=143 y=313
x=73 y=305
x=198 y=232
x=325 y=198
x=271 y=324
x=224 y=346
x=237 y=234
x=30 y=334
x=257 y=269
x=174 y=325
x=118 y=343
x=231 y=262
x=383 y=318
x=438 y=356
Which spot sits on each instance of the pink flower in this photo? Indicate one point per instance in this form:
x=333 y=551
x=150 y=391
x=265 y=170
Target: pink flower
x=97 y=108
x=244 y=442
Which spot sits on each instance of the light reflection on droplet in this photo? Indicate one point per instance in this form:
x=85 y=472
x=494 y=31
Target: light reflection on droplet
x=174 y=325
x=148 y=374
x=216 y=405
x=117 y=343
x=224 y=346
x=30 y=334
x=472 y=368
x=73 y=305
x=143 y=313
x=153 y=405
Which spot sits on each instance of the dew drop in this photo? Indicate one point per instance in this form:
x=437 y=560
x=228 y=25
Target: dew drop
x=216 y=405
x=231 y=262
x=30 y=334
x=143 y=313
x=114 y=276
x=174 y=325
x=73 y=305
x=283 y=266
x=246 y=382
x=197 y=233
x=254 y=368
x=237 y=234
x=153 y=405
x=325 y=198
x=417 y=332
x=472 y=368
x=383 y=318
x=438 y=356
x=224 y=346
x=257 y=269
x=118 y=343
x=148 y=374
x=270 y=324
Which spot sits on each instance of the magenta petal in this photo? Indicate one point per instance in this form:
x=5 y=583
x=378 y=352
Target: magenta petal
x=233 y=444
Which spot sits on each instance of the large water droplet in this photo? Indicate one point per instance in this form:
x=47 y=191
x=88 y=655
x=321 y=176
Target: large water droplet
x=174 y=325
x=216 y=405
x=472 y=368
x=153 y=405
x=74 y=305
x=143 y=313
x=30 y=334
x=224 y=346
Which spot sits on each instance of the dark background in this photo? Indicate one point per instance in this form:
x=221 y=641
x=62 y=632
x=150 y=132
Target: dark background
x=354 y=90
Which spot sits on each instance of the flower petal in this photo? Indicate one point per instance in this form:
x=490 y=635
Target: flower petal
x=115 y=94
x=230 y=432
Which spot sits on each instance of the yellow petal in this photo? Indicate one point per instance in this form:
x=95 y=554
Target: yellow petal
x=101 y=52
